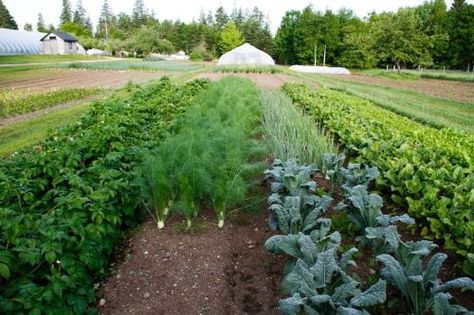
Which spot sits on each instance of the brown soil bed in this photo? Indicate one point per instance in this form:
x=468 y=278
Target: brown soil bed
x=262 y=80
x=452 y=90
x=211 y=271
x=71 y=78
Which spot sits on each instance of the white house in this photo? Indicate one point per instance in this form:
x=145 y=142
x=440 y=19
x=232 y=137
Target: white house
x=60 y=43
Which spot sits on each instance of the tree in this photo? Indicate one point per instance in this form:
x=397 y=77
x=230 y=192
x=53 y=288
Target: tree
x=40 y=26
x=221 y=18
x=139 y=15
x=461 y=34
x=106 y=21
x=285 y=38
x=28 y=27
x=75 y=29
x=80 y=15
x=147 y=40
x=6 y=20
x=255 y=29
x=358 y=51
x=230 y=38
x=66 y=13
x=399 y=39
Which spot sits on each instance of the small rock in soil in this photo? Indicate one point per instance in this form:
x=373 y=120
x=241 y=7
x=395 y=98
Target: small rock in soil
x=102 y=302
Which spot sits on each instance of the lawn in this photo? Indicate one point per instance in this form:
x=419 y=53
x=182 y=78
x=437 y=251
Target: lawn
x=417 y=74
x=24 y=59
x=137 y=64
x=28 y=132
x=429 y=110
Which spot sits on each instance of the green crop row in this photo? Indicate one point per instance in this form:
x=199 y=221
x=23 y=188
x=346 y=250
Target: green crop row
x=426 y=169
x=64 y=202
x=248 y=69
x=207 y=163
x=19 y=102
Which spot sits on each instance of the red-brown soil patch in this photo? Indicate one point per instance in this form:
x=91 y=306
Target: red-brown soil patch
x=452 y=90
x=78 y=78
x=213 y=271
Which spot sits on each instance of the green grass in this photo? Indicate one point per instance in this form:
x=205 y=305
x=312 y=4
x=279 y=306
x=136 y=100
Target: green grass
x=291 y=134
x=443 y=75
x=432 y=111
x=388 y=74
x=29 y=132
x=20 y=59
x=248 y=69
x=137 y=64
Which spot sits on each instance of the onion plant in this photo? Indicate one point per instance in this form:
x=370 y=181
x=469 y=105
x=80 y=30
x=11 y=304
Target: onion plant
x=292 y=134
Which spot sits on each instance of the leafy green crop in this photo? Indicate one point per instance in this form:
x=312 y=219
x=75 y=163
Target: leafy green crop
x=429 y=170
x=19 y=102
x=64 y=202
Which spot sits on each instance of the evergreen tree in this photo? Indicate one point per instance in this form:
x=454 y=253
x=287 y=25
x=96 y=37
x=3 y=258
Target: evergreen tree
x=139 y=14
x=80 y=15
x=6 y=20
x=461 y=34
x=221 y=18
x=285 y=39
x=28 y=27
x=106 y=21
x=66 y=13
x=41 y=26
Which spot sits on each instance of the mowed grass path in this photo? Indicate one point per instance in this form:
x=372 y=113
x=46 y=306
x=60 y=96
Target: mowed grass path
x=433 y=111
x=24 y=59
x=29 y=132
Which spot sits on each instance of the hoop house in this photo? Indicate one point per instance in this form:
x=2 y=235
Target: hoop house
x=13 y=42
x=246 y=55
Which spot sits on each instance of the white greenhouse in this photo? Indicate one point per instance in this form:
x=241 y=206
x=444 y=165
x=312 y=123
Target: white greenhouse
x=13 y=42
x=246 y=55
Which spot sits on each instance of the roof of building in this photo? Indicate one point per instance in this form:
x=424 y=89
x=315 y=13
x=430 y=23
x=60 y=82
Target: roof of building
x=64 y=36
x=13 y=42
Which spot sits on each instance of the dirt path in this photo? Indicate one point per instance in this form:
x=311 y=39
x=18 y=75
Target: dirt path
x=453 y=90
x=263 y=80
x=212 y=271
x=72 y=78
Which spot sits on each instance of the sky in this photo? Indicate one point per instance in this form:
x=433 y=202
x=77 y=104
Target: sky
x=26 y=11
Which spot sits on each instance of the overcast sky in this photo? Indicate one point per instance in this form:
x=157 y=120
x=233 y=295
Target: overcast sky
x=26 y=11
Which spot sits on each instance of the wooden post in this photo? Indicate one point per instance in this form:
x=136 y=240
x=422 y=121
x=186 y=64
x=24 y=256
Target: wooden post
x=324 y=58
x=315 y=54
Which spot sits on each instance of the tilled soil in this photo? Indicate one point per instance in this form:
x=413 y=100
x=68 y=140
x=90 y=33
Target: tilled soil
x=262 y=80
x=213 y=271
x=452 y=90
x=80 y=78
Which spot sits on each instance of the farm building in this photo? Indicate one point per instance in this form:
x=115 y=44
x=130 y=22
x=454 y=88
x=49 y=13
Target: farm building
x=246 y=55
x=60 y=43
x=13 y=42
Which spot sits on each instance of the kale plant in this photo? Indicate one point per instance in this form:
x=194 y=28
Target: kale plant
x=423 y=291
x=355 y=175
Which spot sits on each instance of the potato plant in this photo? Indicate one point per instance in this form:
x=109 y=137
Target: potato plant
x=64 y=202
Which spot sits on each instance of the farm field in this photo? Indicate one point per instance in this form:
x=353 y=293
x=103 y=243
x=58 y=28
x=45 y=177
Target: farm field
x=59 y=78
x=434 y=111
x=238 y=267
x=44 y=59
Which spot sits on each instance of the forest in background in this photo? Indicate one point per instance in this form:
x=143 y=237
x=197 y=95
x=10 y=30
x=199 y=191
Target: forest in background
x=430 y=35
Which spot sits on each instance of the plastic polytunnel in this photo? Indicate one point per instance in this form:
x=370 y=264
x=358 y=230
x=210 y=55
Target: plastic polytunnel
x=246 y=55
x=13 y=42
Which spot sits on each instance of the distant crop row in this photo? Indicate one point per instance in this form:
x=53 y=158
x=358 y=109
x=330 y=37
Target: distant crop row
x=65 y=201
x=428 y=170
x=18 y=102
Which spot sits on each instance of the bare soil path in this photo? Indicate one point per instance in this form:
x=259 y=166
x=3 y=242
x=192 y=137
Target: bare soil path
x=214 y=271
x=452 y=90
x=77 y=78
x=262 y=80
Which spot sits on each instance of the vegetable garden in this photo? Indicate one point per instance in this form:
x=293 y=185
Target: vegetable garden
x=186 y=150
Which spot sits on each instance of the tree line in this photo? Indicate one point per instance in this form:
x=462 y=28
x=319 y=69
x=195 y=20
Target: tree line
x=429 y=35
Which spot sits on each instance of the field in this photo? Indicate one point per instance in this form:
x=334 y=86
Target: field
x=243 y=192
x=45 y=59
